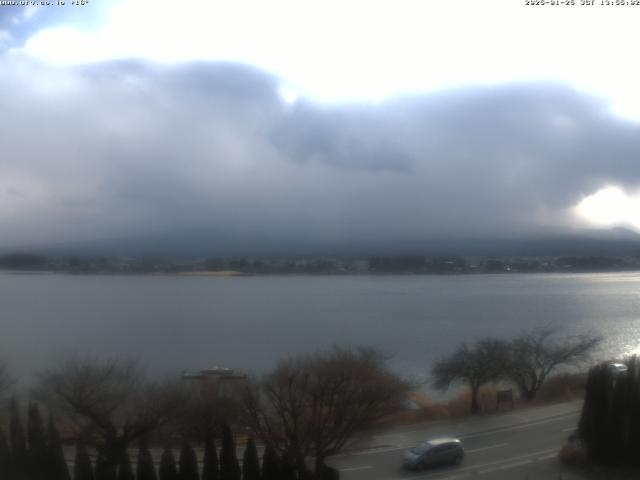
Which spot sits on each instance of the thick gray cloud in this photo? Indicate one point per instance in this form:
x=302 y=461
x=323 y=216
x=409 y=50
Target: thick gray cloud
x=128 y=148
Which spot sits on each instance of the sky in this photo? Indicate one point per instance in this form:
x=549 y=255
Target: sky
x=333 y=121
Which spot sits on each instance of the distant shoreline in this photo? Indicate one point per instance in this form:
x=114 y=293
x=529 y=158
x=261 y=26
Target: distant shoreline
x=235 y=273
x=210 y=273
x=374 y=265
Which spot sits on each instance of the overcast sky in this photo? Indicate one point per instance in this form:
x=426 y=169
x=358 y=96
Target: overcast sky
x=338 y=121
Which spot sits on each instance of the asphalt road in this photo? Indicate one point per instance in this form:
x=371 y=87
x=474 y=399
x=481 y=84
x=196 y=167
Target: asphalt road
x=520 y=444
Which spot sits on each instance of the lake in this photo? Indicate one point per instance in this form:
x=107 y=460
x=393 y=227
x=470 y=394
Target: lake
x=173 y=323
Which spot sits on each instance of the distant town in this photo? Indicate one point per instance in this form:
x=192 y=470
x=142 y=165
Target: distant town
x=385 y=264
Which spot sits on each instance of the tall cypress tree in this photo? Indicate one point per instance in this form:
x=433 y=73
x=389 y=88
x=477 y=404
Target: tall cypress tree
x=168 y=469
x=287 y=470
x=19 y=455
x=270 y=464
x=5 y=455
x=145 y=469
x=36 y=436
x=633 y=452
x=229 y=467
x=82 y=468
x=329 y=473
x=610 y=420
x=618 y=425
x=105 y=470
x=250 y=462
x=58 y=469
x=603 y=397
x=210 y=460
x=188 y=462
x=125 y=470
x=588 y=418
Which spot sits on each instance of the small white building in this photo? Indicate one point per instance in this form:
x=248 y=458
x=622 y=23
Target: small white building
x=217 y=382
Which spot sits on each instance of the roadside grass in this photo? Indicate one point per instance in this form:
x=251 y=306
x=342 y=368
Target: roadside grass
x=562 y=387
x=559 y=388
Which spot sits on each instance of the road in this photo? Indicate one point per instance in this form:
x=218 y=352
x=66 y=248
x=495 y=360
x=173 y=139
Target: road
x=515 y=445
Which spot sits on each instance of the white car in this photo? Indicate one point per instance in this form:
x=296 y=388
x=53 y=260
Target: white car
x=438 y=451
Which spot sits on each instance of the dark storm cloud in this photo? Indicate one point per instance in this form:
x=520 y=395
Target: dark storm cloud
x=128 y=148
x=508 y=157
x=229 y=81
x=354 y=137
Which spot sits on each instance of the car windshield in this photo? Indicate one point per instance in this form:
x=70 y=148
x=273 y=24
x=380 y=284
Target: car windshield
x=420 y=449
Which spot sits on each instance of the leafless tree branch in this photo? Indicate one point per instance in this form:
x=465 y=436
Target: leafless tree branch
x=313 y=406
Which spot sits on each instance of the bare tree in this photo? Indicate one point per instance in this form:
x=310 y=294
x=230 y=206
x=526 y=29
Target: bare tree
x=6 y=380
x=313 y=406
x=477 y=365
x=204 y=415
x=535 y=354
x=109 y=401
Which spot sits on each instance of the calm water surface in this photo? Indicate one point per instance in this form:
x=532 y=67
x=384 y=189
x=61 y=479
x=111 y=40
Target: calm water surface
x=173 y=323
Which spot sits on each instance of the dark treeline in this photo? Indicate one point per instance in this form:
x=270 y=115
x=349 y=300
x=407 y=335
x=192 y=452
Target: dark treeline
x=24 y=261
x=309 y=408
x=36 y=453
x=416 y=264
x=380 y=264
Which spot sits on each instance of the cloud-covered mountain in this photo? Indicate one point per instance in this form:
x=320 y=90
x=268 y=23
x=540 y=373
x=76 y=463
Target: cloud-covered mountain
x=129 y=149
